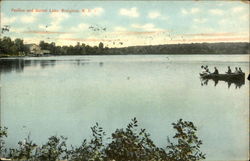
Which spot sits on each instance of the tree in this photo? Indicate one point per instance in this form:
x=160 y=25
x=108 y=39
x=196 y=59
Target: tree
x=19 y=45
x=101 y=46
x=6 y=45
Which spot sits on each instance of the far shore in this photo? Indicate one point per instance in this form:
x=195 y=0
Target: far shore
x=59 y=55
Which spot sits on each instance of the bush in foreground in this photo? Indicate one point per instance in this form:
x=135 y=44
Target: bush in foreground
x=126 y=144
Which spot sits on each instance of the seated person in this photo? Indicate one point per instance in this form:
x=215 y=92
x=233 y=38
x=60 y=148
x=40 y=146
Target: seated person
x=236 y=70
x=229 y=71
x=216 y=71
x=240 y=71
x=207 y=70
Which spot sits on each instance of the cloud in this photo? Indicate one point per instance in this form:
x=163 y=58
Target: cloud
x=56 y=19
x=245 y=17
x=31 y=40
x=212 y=34
x=184 y=11
x=98 y=11
x=227 y=39
x=200 y=20
x=7 y=20
x=216 y=12
x=44 y=32
x=27 y=19
x=53 y=26
x=194 y=10
x=119 y=29
x=190 y=11
x=139 y=32
x=148 y=26
x=132 y=12
x=237 y=9
x=89 y=39
x=80 y=27
x=212 y=37
x=224 y=21
x=154 y=15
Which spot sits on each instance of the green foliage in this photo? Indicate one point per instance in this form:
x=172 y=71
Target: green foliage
x=78 y=49
x=9 y=47
x=101 y=46
x=3 y=134
x=24 y=151
x=188 y=144
x=128 y=144
x=90 y=151
x=54 y=149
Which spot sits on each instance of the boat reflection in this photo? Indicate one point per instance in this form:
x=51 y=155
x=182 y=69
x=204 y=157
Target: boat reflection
x=237 y=82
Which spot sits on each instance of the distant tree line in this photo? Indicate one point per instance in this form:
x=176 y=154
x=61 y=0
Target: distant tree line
x=18 y=48
x=126 y=144
x=78 y=49
x=193 y=48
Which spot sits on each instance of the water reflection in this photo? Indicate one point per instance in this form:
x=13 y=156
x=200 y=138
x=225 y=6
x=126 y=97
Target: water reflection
x=12 y=65
x=18 y=65
x=237 y=82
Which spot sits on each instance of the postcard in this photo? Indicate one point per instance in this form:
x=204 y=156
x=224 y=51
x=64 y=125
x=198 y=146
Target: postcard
x=124 y=80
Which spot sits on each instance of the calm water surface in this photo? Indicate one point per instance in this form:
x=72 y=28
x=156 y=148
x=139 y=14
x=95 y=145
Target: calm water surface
x=67 y=95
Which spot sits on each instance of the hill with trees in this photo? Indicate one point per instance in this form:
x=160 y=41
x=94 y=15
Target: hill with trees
x=193 y=48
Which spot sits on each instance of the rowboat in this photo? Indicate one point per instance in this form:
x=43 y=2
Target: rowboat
x=232 y=76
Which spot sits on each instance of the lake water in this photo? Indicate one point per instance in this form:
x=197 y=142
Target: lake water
x=66 y=95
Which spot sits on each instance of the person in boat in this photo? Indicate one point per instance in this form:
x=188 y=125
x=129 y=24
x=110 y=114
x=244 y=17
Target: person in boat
x=240 y=71
x=229 y=71
x=216 y=71
x=206 y=70
x=236 y=70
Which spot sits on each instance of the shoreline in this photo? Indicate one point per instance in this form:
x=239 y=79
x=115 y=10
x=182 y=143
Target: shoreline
x=10 y=56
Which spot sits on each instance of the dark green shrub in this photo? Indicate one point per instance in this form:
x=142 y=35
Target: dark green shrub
x=188 y=144
x=54 y=149
x=129 y=144
x=3 y=135
x=90 y=151
x=25 y=150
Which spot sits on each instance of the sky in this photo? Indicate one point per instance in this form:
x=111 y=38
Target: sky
x=126 y=23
